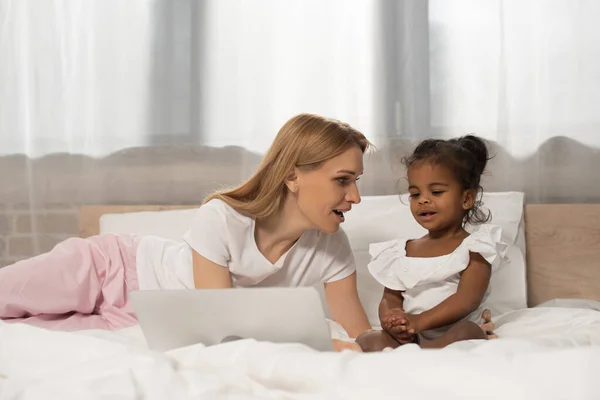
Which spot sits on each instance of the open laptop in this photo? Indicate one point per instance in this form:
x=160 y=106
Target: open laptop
x=177 y=318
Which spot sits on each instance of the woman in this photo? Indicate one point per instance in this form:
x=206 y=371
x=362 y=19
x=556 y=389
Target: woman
x=279 y=228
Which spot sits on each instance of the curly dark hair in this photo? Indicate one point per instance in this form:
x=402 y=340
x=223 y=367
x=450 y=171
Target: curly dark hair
x=466 y=157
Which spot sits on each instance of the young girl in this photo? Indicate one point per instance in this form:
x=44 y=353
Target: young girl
x=435 y=286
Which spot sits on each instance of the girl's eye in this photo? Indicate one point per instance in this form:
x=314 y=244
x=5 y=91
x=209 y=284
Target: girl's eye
x=437 y=192
x=413 y=195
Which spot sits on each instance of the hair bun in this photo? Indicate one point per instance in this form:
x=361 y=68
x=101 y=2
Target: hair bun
x=477 y=148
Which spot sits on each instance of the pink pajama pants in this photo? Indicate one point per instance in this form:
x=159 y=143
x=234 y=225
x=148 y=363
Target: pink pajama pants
x=80 y=284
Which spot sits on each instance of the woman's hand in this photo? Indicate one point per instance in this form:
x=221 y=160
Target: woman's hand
x=341 y=345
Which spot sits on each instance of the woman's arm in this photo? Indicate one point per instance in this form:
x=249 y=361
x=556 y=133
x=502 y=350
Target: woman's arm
x=471 y=289
x=209 y=275
x=345 y=306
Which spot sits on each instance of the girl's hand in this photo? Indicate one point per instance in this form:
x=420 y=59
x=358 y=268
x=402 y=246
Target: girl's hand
x=400 y=325
x=394 y=317
x=405 y=331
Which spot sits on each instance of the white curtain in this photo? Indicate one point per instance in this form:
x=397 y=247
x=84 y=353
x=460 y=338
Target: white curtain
x=99 y=76
x=264 y=61
x=94 y=77
x=517 y=72
x=74 y=75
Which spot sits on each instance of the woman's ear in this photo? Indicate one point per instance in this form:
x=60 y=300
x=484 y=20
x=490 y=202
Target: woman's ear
x=291 y=181
x=469 y=198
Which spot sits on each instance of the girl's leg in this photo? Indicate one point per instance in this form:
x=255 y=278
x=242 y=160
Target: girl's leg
x=379 y=340
x=79 y=284
x=376 y=341
x=465 y=330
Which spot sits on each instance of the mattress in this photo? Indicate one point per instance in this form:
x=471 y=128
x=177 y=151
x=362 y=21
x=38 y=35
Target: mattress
x=548 y=352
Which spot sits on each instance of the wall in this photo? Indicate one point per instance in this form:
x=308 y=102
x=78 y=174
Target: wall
x=39 y=198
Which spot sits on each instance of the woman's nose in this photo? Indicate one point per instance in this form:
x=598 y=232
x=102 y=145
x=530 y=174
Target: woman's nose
x=353 y=195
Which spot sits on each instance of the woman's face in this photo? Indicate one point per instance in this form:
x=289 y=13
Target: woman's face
x=325 y=193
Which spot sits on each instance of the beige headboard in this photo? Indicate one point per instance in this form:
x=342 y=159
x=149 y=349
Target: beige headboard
x=563 y=251
x=563 y=246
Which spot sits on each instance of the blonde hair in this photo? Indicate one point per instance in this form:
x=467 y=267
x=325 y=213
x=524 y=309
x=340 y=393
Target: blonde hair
x=305 y=141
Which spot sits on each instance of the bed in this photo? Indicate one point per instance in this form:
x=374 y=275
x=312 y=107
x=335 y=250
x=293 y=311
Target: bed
x=549 y=328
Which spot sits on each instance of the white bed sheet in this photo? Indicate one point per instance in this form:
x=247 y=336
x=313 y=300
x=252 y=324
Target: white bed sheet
x=544 y=353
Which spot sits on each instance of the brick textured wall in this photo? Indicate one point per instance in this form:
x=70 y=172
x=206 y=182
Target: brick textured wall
x=26 y=231
x=40 y=198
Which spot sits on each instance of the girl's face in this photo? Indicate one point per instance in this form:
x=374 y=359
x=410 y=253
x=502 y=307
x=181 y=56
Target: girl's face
x=324 y=194
x=437 y=200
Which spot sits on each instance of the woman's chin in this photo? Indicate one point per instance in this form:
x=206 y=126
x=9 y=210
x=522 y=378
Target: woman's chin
x=330 y=228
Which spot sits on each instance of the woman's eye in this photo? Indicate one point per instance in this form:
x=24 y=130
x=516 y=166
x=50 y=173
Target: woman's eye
x=342 y=181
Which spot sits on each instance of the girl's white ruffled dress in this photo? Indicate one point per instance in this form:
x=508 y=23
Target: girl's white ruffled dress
x=426 y=282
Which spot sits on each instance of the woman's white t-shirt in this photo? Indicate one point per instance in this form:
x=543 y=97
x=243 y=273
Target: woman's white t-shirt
x=224 y=236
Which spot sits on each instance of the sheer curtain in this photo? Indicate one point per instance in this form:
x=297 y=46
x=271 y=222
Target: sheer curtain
x=264 y=61
x=95 y=77
x=139 y=101
x=517 y=72
x=75 y=76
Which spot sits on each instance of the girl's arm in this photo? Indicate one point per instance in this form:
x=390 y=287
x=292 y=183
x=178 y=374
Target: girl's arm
x=471 y=289
x=391 y=299
x=345 y=306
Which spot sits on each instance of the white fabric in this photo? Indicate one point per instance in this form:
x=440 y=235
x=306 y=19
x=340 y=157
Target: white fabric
x=168 y=224
x=546 y=353
x=226 y=237
x=285 y=65
x=100 y=75
x=572 y=303
x=427 y=281
x=78 y=77
x=517 y=72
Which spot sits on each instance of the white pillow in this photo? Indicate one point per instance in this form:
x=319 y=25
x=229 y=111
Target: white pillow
x=381 y=218
x=572 y=303
x=169 y=224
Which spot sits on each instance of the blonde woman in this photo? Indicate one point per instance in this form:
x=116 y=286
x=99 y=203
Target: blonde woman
x=279 y=228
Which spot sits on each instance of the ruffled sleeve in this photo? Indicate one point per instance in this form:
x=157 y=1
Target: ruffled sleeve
x=393 y=269
x=386 y=264
x=487 y=241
